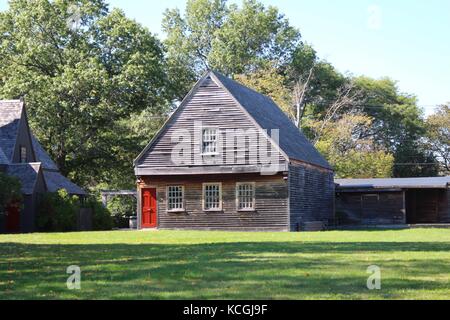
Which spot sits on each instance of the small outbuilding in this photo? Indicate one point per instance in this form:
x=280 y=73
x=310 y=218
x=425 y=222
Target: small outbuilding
x=393 y=201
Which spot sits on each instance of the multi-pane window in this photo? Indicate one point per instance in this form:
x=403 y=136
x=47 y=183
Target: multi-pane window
x=175 y=198
x=212 y=196
x=23 y=154
x=245 y=196
x=209 y=141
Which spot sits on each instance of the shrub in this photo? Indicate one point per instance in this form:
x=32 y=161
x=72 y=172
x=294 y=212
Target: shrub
x=10 y=191
x=121 y=209
x=101 y=217
x=58 y=212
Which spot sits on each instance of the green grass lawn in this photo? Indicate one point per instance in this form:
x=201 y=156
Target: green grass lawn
x=415 y=264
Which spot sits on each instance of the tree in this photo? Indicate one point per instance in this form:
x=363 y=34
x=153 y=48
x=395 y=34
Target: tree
x=398 y=125
x=226 y=38
x=314 y=84
x=438 y=136
x=82 y=69
x=343 y=144
x=269 y=82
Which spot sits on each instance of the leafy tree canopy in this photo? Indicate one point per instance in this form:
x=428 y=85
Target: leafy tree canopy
x=438 y=136
x=82 y=69
x=352 y=155
x=226 y=38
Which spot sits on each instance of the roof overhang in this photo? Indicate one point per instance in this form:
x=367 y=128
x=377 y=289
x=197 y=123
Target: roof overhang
x=225 y=169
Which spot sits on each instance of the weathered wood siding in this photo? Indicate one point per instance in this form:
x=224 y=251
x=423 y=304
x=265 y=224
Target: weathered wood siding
x=446 y=209
x=271 y=205
x=427 y=206
x=311 y=195
x=370 y=208
x=214 y=107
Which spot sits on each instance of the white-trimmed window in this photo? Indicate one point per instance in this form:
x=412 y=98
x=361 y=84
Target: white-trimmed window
x=175 y=198
x=23 y=154
x=209 y=140
x=212 y=196
x=245 y=196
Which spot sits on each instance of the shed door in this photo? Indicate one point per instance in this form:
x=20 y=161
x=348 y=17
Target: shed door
x=149 y=218
x=13 y=218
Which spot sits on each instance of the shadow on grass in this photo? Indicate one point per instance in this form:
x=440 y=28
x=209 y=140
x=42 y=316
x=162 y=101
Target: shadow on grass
x=239 y=270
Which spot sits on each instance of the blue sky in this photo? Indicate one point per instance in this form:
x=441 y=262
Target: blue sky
x=406 y=40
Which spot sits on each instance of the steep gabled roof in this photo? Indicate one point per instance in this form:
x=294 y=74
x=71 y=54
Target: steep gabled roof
x=269 y=116
x=56 y=181
x=27 y=173
x=53 y=178
x=10 y=115
x=42 y=156
x=265 y=113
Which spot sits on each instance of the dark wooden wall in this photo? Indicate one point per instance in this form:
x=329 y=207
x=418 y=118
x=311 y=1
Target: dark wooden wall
x=215 y=108
x=370 y=208
x=271 y=203
x=311 y=195
x=427 y=206
x=24 y=139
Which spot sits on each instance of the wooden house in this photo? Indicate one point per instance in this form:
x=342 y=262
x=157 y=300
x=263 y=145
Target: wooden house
x=23 y=157
x=393 y=201
x=229 y=159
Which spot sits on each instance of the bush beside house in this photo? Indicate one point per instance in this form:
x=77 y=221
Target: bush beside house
x=58 y=212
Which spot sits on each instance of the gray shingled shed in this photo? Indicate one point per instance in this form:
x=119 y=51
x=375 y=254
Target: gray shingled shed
x=393 y=201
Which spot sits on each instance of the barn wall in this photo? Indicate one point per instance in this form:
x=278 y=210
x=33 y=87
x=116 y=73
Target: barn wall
x=214 y=107
x=311 y=195
x=427 y=206
x=446 y=210
x=370 y=208
x=271 y=203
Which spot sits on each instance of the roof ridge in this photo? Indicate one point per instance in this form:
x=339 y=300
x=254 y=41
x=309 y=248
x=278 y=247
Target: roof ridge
x=242 y=85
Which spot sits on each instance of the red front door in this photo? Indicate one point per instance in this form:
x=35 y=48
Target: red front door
x=149 y=218
x=13 y=218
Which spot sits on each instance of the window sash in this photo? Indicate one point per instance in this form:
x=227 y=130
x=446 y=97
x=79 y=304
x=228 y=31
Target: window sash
x=212 y=196
x=175 y=198
x=209 y=140
x=23 y=154
x=245 y=196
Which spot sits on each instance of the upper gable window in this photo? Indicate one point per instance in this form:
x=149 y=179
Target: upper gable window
x=23 y=154
x=209 y=141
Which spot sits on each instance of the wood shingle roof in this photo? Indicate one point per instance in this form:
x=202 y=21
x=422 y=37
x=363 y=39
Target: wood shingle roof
x=269 y=116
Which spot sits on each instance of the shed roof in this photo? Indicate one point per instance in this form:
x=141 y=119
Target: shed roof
x=27 y=173
x=10 y=114
x=269 y=116
x=56 y=181
x=42 y=155
x=400 y=183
